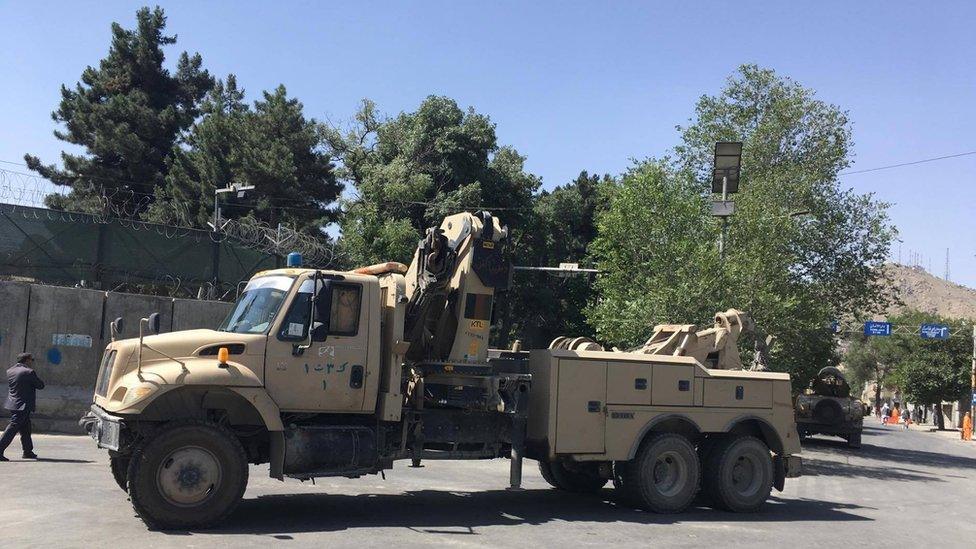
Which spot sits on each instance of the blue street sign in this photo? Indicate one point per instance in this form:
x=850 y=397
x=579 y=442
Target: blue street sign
x=877 y=328
x=934 y=331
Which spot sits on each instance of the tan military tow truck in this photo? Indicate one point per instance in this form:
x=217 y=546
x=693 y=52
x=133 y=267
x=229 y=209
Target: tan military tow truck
x=323 y=373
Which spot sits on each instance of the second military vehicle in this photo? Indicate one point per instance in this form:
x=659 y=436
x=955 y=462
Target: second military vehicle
x=325 y=373
x=828 y=408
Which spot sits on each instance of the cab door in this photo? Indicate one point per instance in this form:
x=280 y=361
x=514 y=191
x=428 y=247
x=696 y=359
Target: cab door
x=323 y=371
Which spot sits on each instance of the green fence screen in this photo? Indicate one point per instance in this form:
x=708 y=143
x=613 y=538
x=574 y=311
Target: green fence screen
x=107 y=253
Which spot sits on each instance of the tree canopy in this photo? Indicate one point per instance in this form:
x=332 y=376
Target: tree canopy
x=924 y=371
x=127 y=114
x=272 y=147
x=801 y=250
x=411 y=170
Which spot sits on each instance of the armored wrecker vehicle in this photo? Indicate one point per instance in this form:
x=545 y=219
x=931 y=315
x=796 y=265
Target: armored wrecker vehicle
x=826 y=407
x=324 y=373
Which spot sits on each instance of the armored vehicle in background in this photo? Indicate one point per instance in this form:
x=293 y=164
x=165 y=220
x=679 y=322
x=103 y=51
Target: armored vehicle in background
x=827 y=408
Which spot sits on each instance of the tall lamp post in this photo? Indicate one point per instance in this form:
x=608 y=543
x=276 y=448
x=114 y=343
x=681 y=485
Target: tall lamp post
x=725 y=180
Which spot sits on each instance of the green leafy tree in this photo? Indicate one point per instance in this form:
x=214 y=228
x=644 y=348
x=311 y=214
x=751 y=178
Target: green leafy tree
x=793 y=272
x=126 y=114
x=272 y=147
x=873 y=360
x=411 y=170
x=563 y=225
x=655 y=248
x=933 y=371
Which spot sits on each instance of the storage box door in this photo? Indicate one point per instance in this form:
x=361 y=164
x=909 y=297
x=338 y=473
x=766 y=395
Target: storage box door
x=673 y=385
x=580 y=405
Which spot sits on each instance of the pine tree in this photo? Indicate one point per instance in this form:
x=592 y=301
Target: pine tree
x=272 y=147
x=128 y=113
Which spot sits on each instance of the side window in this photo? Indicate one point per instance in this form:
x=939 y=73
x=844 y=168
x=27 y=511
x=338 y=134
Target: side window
x=343 y=315
x=346 y=306
x=295 y=325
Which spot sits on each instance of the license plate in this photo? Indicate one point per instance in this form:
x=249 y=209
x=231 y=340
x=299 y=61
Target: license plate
x=106 y=433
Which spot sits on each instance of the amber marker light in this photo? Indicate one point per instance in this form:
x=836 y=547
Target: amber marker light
x=222 y=355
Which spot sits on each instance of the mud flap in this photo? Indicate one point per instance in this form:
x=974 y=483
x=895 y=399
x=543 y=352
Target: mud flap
x=277 y=454
x=779 y=473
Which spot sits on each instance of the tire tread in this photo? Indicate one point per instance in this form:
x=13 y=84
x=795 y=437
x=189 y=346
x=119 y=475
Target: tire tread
x=143 y=507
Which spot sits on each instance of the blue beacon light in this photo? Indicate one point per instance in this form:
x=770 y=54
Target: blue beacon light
x=294 y=259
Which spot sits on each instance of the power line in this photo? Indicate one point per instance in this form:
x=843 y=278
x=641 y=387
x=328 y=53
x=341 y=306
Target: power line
x=908 y=163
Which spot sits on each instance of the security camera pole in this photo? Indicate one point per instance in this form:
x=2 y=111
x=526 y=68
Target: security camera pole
x=240 y=190
x=725 y=180
x=234 y=188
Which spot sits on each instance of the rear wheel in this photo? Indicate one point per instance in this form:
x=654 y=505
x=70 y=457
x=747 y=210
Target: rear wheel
x=739 y=474
x=579 y=477
x=187 y=475
x=545 y=469
x=854 y=440
x=665 y=475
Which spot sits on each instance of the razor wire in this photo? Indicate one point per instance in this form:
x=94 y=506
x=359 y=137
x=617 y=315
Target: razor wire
x=28 y=194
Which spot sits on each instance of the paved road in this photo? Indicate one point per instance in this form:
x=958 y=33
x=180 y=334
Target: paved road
x=901 y=487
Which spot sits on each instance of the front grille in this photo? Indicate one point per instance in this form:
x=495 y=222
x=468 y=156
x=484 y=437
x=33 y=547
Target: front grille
x=105 y=373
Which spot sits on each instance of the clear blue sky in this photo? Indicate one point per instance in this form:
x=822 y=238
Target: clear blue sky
x=572 y=85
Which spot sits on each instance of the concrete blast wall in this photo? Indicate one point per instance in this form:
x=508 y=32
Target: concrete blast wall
x=66 y=329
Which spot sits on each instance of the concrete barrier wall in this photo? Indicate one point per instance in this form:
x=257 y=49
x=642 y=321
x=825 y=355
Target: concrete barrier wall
x=13 y=322
x=67 y=329
x=189 y=314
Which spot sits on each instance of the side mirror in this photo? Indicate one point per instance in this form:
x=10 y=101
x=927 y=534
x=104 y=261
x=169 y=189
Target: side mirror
x=116 y=327
x=154 y=323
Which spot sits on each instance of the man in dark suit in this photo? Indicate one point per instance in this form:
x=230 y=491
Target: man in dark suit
x=23 y=382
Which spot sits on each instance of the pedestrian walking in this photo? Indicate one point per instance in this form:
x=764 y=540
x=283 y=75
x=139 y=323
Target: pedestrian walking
x=885 y=413
x=967 y=427
x=22 y=382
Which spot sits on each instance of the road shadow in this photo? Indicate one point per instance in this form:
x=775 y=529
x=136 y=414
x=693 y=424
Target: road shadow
x=460 y=513
x=817 y=467
x=901 y=456
x=62 y=460
x=50 y=460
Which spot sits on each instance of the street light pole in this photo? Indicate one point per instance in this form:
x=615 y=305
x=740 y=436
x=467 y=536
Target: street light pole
x=725 y=219
x=725 y=179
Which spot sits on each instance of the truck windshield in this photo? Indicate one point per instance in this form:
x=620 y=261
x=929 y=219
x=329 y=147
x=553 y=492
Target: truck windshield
x=256 y=308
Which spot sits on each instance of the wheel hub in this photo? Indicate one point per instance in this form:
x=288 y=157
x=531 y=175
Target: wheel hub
x=745 y=475
x=188 y=476
x=669 y=474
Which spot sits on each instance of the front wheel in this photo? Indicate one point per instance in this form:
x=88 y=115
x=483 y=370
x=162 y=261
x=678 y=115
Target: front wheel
x=120 y=471
x=187 y=475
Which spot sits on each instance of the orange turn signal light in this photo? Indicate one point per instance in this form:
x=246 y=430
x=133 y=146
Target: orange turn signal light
x=223 y=354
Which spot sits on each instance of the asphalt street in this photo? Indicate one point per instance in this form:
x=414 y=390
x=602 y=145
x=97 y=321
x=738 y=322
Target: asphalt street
x=900 y=487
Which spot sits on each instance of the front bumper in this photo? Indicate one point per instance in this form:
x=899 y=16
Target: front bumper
x=103 y=427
